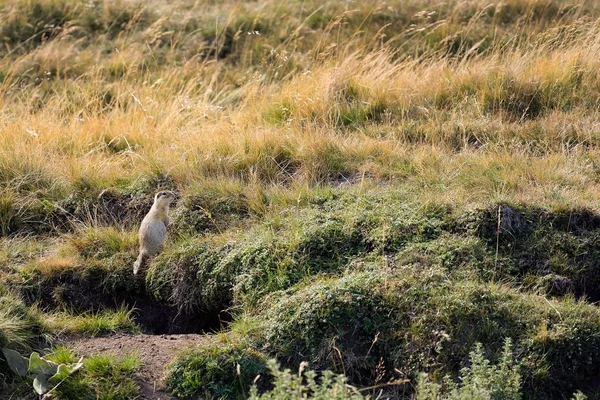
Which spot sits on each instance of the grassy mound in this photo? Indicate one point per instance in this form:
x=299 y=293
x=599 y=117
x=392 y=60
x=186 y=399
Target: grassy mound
x=391 y=325
x=369 y=326
x=94 y=271
x=220 y=368
x=549 y=252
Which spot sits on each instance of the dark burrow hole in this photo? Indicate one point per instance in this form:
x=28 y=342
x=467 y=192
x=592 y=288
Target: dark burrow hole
x=152 y=317
x=156 y=319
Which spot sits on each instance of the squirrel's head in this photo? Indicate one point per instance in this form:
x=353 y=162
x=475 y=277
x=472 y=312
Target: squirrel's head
x=164 y=198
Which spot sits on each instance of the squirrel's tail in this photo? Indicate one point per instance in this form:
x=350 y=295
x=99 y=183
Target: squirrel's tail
x=139 y=262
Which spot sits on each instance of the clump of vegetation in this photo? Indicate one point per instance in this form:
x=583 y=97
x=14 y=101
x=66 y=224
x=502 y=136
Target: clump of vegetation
x=211 y=208
x=101 y=377
x=47 y=375
x=348 y=314
x=304 y=385
x=109 y=378
x=362 y=325
x=220 y=367
x=98 y=377
x=103 y=243
x=20 y=327
x=189 y=278
x=92 y=323
x=478 y=381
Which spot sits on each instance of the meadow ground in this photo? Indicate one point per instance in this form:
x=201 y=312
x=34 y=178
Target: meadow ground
x=403 y=192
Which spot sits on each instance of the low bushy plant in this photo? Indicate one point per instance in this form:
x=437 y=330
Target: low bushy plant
x=479 y=381
x=218 y=368
x=305 y=385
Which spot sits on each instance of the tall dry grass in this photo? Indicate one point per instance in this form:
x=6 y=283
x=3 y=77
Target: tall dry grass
x=466 y=101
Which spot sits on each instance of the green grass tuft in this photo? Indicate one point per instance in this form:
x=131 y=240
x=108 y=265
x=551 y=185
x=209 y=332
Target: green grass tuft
x=93 y=323
x=102 y=377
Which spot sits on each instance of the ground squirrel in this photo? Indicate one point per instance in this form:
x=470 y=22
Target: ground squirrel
x=154 y=228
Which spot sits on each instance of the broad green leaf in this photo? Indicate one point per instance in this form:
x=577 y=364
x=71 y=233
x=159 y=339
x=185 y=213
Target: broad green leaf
x=16 y=362
x=64 y=370
x=40 y=366
x=40 y=384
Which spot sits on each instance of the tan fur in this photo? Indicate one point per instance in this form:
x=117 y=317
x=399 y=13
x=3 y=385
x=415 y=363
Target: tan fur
x=154 y=228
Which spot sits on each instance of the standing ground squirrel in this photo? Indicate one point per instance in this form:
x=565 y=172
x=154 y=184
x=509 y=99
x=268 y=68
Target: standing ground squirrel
x=154 y=228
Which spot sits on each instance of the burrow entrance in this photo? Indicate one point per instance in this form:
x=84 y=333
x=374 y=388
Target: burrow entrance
x=154 y=318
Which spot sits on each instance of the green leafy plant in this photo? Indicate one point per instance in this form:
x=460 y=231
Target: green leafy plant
x=47 y=375
x=479 y=381
x=304 y=385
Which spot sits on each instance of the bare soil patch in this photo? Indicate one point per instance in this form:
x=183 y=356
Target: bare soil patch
x=155 y=352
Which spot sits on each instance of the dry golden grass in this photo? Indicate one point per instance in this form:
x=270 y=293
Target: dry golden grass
x=471 y=102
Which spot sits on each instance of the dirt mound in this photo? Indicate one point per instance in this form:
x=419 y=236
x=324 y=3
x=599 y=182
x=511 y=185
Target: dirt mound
x=155 y=352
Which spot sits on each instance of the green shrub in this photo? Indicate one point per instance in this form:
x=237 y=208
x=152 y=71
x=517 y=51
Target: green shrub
x=217 y=368
x=45 y=374
x=304 y=385
x=478 y=381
